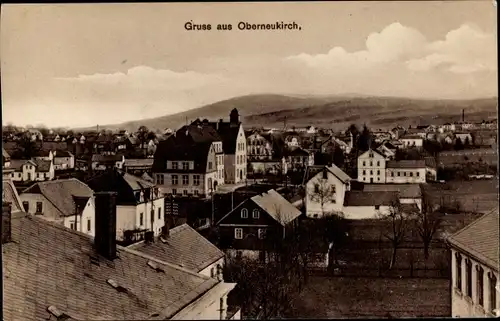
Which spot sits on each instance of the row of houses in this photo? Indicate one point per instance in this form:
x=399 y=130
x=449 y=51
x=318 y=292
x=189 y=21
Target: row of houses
x=175 y=275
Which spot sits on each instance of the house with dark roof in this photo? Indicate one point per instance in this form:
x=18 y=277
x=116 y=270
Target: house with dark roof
x=83 y=278
x=413 y=140
x=138 y=166
x=68 y=202
x=104 y=162
x=32 y=170
x=298 y=158
x=407 y=193
x=254 y=226
x=325 y=187
x=475 y=260
x=370 y=205
x=185 y=247
x=63 y=160
x=406 y=172
x=186 y=169
x=140 y=205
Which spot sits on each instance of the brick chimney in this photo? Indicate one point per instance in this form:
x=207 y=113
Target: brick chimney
x=6 y=218
x=105 y=227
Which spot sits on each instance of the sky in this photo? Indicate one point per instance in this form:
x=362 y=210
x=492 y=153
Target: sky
x=70 y=65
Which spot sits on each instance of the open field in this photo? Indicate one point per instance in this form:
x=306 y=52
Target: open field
x=351 y=297
x=473 y=196
x=487 y=155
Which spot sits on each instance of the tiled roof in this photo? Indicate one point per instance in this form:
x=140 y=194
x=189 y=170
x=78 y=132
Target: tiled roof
x=199 y=132
x=64 y=194
x=406 y=164
x=106 y=158
x=174 y=149
x=17 y=164
x=480 y=239
x=404 y=190
x=138 y=162
x=339 y=173
x=10 y=195
x=49 y=265
x=229 y=134
x=42 y=165
x=362 y=198
x=63 y=153
x=135 y=182
x=277 y=206
x=184 y=247
x=430 y=162
x=147 y=177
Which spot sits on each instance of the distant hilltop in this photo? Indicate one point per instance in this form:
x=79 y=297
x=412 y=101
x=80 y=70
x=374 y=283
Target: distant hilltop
x=271 y=110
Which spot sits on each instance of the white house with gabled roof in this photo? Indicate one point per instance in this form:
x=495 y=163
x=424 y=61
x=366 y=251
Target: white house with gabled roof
x=371 y=167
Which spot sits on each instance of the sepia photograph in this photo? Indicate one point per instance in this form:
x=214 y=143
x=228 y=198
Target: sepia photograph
x=250 y=160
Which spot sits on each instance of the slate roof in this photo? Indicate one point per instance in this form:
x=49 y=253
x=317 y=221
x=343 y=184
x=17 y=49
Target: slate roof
x=199 y=132
x=430 y=162
x=311 y=171
x=139 y=162
x=106 y=158
x=406 y=164
x=49 y=265
x=42 y=165
x=174 y=149
x=277 y=206
x=17 y=164
x=404 y=190
x=63 y=153
x=229 y=134
x=9 y=194
x=480 y=239
x=362 y=198
x=183 y=247
x=69 y=196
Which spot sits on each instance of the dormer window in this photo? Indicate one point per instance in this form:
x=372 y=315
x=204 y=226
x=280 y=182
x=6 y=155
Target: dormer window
x=244 y=213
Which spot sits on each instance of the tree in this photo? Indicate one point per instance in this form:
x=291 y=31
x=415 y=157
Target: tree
x=467 y=142
x=28 y=147
x=323 y=192
x=398 y=223
x=364 y=140
x=142 y=135
x=338 y=157
x=459 y=144
x=335 y=232
x=427 y=223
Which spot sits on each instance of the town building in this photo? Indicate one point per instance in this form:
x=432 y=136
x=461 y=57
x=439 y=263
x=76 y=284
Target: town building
x=298 y=158
x=292 y=139
x=103 y=162
x=140 y=206
x=96 y=278
x=244 y=230
x=371 y=167
x=63 y=160
x=406 y=171
x=407 y=193
x=31 y=170
x=475 y=287
x=138 y=166
x=413 y=141
x=259 y=147
x=188 y=170
x=325 y=187
x=68 y=202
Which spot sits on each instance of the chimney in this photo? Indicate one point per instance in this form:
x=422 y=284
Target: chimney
x=165 y=230
x=6 y=217
x=149 y=237
x=105 y=228
x=463 y=115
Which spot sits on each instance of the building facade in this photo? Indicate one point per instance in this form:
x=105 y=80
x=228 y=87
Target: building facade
x=371 y=167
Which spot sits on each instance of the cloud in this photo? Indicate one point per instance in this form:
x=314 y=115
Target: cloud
x=147 y=77
x=464 y=50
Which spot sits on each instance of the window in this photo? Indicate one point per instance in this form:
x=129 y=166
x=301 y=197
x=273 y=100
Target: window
x=378 y=163
x=493 y=293
x=141 y=219
x=479 y=285
x=238 y=233
x=364 y=172
x=316 y=188
x=411 y=174
x=371 y=172
x=399 y=174
x=404 y=173
x=159 y=213
x=255 y=213
x=377 y=207
x=196 y=180
x=89 y=225
x=72 y=226
x=185 y=166
x=418 y=174
x=39 y=207
x=378 y=172
x=371 y=163
x=174 y=191
x=159 y=179
x=261 y=233
x=196 y=192
x=175 y=180
x=185 y=179
x=468 y=277
x=209 y=165
x=174 y=165
x=185 y=192
x=364 y=163
x=244 y=213
x=26 y=206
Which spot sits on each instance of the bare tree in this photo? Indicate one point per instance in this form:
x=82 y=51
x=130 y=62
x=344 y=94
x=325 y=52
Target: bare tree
x=398 y=223
x=323 y=193
x=427 y=223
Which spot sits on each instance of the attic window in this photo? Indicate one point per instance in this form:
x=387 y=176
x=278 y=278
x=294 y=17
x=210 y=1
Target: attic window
x=115 y=285
x=155 y=267
x=58 y=314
